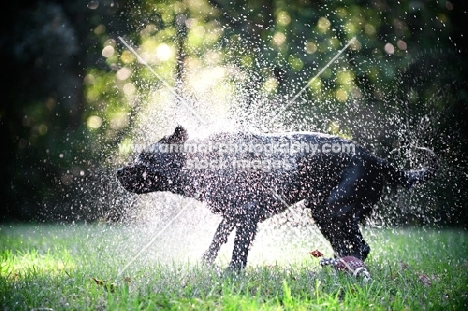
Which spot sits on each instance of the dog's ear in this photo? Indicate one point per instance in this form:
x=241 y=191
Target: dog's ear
x=180 y=136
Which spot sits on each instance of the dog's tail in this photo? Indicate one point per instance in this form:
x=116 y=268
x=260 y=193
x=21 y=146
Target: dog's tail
x=408 y=178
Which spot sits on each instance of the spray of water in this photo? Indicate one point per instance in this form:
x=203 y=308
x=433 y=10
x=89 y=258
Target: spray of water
x=225 y=96
x=195 y=114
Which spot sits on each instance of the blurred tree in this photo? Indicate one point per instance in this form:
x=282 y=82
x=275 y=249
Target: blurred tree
x=48 y=153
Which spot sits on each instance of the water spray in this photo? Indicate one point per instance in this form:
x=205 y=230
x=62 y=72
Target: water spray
x=167 y=85
x=186 y=104
x=319 y=237
x=153 y=239
x=313 y=79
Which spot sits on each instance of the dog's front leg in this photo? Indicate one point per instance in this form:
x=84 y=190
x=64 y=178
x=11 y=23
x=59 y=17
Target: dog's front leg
x=246 y=229
x=224 y=229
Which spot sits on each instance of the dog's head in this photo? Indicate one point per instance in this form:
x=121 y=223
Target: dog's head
x=156 y=168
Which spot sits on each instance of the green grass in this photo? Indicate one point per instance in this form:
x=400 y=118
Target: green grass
x=54 y=266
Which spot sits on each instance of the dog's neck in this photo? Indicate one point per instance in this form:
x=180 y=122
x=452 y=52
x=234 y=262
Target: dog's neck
x=183 y=184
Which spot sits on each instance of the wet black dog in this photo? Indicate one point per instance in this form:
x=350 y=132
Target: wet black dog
x=247 y=178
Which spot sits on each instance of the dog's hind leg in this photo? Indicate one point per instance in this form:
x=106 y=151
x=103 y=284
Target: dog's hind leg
x=344 y=235
x=338 y=218
x=358 y=246
x=222 y=233
x=331 y=229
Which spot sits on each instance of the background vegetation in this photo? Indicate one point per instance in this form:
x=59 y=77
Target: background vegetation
x=76 y=100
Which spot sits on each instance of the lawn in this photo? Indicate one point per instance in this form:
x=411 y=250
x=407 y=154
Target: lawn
x=95 y=267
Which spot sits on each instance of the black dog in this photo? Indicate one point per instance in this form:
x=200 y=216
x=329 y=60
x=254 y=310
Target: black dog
x=247 y=178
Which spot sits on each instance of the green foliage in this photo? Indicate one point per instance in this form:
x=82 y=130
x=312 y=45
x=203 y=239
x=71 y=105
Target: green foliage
x=79 y=96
